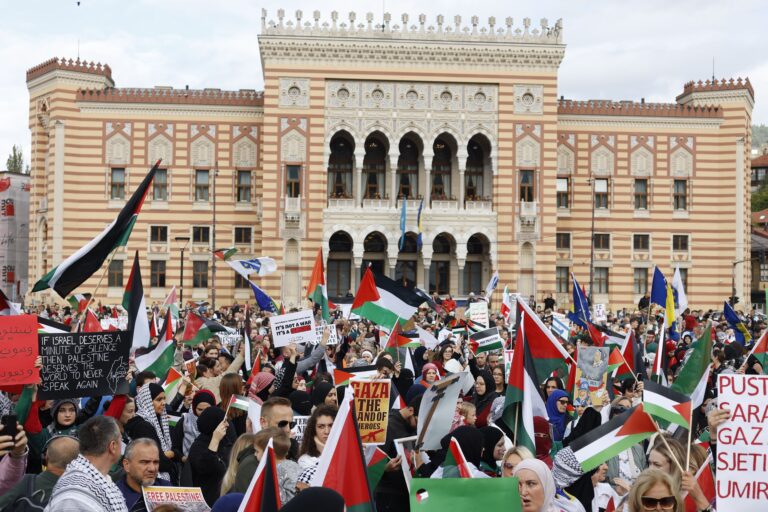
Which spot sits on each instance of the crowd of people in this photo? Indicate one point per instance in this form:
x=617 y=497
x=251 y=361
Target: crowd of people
x=96 y=453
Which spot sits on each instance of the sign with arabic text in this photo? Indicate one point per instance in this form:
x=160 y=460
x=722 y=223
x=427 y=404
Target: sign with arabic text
x=18 y=350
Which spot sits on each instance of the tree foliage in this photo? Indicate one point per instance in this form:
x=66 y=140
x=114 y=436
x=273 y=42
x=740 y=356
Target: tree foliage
x=15 y=162
x=760 y=199
x=759 y=135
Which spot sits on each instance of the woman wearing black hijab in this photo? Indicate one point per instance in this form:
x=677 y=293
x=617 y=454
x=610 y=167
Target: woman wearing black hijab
x=301 y=403
x=492 y=436
x=320 y=392
x=485 y=394
x=205 y=456
x=583 y=489
x=317 y=499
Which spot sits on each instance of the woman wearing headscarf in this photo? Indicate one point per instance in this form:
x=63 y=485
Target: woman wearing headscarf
x=205 y=458
x=537 y=487
x=471 y=442
x=324 y=393
x=260 y=386
x=301 y=403
x=485 y=394
x=185 y=431
x=542 y=430
x=557 y=404
x=493 y=450
x=583 y=487
x=151 y=421
x=318 y=499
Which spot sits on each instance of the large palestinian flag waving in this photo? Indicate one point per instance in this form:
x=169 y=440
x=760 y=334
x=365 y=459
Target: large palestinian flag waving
x=73 y=271
x=384 y=302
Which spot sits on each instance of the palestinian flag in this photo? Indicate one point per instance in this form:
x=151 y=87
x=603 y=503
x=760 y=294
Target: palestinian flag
x=92 y=323
x=760 y=351
x=660 y=362
x=317 y=291
x=342 y=466
x=626 y=369
x=523 y=401
x=455 y=464
x=396 y=340
x=225 y=254
x=486 y=340
x=383 y=301
x=666 y=404
x=133 y=302
x=548 y=354
x=692 y=379
x=598 y=339
x=173 y=420
x=167 y=331
x=342 y=377
x=706 y=481
x=238 y=402
x=79 y=301
x=443 y=495
x=612 y=438
x=376 y=461
x=159 y=359
x=263 y=494
x=153 y=331
x=73 y=271
x=7 y=307
x=458 y=327
x=611 y=338
x=615 y=359
x=46 y=326
x=170 y=304
x=199 y=329
x=172 y=381
x=506 y=305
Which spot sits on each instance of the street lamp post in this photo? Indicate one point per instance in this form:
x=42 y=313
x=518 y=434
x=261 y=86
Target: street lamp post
x=182 y=241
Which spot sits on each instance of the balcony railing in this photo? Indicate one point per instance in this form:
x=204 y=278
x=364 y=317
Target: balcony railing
x=378 y=204
x=445 y=204
x=478 y=205
x=412 y=204
x=292 y=204
x=341 y=203
x=528 y=209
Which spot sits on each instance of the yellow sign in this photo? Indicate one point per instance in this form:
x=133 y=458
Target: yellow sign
x=372 y=409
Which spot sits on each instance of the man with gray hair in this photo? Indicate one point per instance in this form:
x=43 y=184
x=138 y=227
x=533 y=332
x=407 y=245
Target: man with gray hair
x=58 y=453
x=141 y=463
x=85 y=486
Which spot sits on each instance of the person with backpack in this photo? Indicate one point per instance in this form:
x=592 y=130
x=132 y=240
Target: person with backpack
x=33 y=491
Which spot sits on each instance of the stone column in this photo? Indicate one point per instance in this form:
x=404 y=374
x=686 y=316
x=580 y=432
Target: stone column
x=461 y=260
x=357 y=179
x=393 y=181
x=462 y=168
x=426 y=253
x=428 y=156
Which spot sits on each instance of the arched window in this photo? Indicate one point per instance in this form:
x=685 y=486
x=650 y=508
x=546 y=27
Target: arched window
x=473 y=176
x=340 y=165
x=441 y=169
x=374 y=166
x=339 y=268
x=375 y=248
x=408 y=168
x=440 y=271
x=477 y=257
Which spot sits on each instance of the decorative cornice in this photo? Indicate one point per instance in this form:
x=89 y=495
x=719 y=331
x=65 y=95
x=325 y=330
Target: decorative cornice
x=385 y=30
x=170 y=96
x=70 y=65
x=634 y=109
x=640 y=122
x=164 y=110
x=717 y=86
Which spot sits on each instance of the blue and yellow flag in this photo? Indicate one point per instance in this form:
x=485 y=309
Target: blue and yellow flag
x=419 y=241
x=402 y=224
x=669 y=314
x=739 y=329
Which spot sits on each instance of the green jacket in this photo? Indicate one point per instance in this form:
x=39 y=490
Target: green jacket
x=247 y=464
x=43 y=482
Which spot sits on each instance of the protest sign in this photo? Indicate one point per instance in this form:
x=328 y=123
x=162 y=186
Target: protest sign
x=80 y=364
x=372 y=409
x=120 y=323
x=561 y=325
x=599 y=314
x=508 y=355
x=438 y=405
x=406 y=449
x=296 y=328
x=229 y=338
x=742 y=460
x=301 y=425
x=189 y=499
x=18 y=350
x=478 y=313
x=442 y=494
x=591 y=376
x=333 y=338
x=487 y=340
x=254 y=414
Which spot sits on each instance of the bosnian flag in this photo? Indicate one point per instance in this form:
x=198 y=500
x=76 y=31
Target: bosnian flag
x=259 y=266
x=491 y=286
x=73 y=271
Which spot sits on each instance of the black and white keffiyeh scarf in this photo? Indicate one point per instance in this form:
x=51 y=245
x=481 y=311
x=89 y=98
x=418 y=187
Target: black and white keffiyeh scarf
x=6 y=406
x=82 y=477
x=146 y=410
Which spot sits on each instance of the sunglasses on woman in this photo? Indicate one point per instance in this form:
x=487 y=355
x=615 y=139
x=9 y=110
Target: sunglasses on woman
x=665 y=503
x=563 y=401
x=285 y=423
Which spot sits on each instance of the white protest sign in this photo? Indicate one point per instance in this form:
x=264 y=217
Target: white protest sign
x=599 y=314
x=301 y=425
x=438 y=405
x=478 y=313
x=561 y=325
x=742 y=460
x=296 y=328
x=508 y=355
x=254 y=413
x=427 y=338
x=333 y=338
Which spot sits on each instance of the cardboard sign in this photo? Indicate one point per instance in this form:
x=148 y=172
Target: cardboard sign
x=186 y=498
x=742 y=462
x=508 y=355
x=80 y=364
x=301 y=425
x=478 y=313
x=296 y=328
x=18 y=350
x=372 y=409
x=591 y=376
x=438 y=405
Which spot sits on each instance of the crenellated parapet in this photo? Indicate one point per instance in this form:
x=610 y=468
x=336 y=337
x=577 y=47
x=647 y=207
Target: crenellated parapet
x=717 y=86
x=77 y=65
x=412 y=29
x=168 y=95
x=633 y=108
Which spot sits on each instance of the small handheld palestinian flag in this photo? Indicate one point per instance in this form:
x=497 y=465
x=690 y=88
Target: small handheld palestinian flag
x=79 y=301
x=172 y=381
x=612 y=438
x=238 y=402
x=199 y=329
x=760 y=351
x=455 y=464
x=376 y=461
x=263 y=493
x=666 y=404
x=92 y=323
x=706 y=481
x=486 y=340
x=225 y=254
x=317 y=292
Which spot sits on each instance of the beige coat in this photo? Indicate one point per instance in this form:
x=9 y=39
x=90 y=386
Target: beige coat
x=212 y=383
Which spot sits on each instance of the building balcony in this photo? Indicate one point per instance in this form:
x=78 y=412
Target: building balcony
x=478 y=205
x=445 y=205
x=528 y=209
x=376 y=204
x=411 y=204
x=341 y=203
x=292 y=204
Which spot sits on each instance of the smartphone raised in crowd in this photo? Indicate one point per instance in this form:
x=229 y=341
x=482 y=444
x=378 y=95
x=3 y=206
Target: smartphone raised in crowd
x=9 y=423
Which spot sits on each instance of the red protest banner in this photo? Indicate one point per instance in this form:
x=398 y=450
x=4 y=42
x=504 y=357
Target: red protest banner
x=18 y=350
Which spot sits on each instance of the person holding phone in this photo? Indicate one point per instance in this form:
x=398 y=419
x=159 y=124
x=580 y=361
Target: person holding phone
x=13 y=453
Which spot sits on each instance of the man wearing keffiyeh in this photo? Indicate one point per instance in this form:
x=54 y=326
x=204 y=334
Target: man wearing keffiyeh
x=85 y=486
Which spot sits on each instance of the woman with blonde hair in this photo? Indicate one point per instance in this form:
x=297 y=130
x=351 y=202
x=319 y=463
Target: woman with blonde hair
x=243 y=442
x=655 y=490
x=512 y=458
x=666 y=457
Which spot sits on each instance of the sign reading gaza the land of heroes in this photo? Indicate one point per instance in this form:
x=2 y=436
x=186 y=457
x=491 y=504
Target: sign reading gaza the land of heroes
x=81 y=364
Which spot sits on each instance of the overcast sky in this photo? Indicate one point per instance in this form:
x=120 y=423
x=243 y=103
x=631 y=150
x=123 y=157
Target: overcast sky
x=616 y=49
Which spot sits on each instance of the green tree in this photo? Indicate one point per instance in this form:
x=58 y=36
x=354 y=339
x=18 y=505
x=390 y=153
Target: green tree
x=15 y=162
x=759 y=135
x=760 y=199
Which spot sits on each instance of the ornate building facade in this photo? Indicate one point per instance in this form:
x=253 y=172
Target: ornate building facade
x=359 y=116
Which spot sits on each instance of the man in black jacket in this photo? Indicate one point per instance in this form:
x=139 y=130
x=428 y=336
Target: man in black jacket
x=392 y=492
